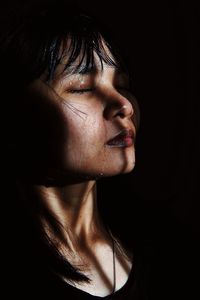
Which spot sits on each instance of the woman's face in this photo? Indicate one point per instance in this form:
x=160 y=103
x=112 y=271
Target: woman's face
x=82 y=125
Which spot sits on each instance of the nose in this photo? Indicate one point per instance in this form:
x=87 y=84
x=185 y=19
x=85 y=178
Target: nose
x=118 y=106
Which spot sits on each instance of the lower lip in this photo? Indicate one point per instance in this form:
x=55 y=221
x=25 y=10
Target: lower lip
x=122 y=142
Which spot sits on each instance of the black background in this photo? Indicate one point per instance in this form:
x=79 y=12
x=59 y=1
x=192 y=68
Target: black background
x=160 y=40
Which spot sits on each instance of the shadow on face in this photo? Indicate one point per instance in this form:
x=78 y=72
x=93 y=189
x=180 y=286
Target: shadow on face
x=38 y=133
x=41 y=133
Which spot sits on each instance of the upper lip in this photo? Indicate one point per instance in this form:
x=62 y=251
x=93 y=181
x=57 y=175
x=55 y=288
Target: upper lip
x=127 y=132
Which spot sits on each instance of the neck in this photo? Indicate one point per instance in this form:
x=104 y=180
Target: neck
x=74 y=207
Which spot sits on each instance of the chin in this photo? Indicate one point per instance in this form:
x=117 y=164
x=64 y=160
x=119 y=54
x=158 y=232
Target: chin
x=121 y=169
x=126 y=164
x=128 y=168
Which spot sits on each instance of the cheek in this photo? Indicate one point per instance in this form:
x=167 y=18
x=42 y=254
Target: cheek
x=86 y=136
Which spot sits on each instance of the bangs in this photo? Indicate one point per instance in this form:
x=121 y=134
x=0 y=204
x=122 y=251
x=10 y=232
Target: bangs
x=76 y=51
x=37 y=43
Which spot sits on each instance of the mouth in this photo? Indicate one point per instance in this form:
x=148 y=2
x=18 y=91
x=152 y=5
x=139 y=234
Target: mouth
x=124 y=138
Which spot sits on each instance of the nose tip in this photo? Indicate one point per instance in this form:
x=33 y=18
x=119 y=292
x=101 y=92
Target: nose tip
x=125 y=111
x=119 y=108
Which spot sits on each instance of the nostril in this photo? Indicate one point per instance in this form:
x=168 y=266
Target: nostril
x=121 y=112
x=116 y=110
x=125 y=111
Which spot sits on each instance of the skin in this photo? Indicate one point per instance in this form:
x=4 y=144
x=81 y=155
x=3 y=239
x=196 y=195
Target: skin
x=82 y=112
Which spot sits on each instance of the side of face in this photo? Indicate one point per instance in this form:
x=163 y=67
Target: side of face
x=82 y=125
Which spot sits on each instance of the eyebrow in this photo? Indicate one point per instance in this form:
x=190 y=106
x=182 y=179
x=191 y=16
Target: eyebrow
x=78 y=70
x=83 y=69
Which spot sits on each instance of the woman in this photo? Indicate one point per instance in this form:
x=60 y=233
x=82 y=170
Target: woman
x=72 y=120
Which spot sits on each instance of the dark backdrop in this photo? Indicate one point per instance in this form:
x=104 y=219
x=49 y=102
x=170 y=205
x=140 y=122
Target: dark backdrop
x=160 y=40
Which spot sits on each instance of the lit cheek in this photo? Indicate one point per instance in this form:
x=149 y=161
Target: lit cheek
x=85 y=150
x=85 y=140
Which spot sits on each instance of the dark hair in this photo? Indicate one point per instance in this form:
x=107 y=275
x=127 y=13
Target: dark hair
x=30 y=46
x=32 y=43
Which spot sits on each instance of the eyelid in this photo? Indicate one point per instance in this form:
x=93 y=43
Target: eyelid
x=80 y=91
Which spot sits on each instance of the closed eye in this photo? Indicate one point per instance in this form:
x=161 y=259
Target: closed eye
x=81 y=91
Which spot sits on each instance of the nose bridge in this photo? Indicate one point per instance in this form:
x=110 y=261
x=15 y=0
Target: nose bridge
x=117 y=105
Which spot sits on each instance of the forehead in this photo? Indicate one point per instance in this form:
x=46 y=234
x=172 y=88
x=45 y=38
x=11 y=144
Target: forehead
x=96 y=71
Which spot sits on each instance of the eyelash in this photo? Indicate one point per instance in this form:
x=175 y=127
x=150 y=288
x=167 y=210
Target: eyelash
x=88 y=90
x=81 y=91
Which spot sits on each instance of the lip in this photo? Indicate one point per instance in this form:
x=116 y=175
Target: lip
x=124 y=138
